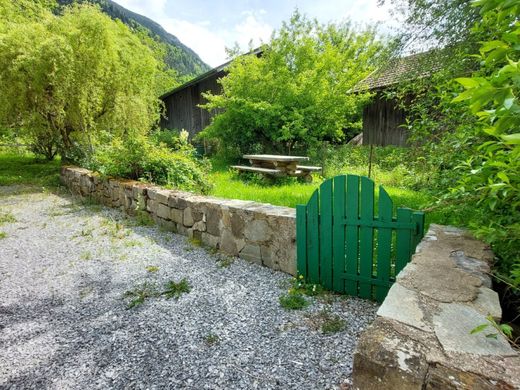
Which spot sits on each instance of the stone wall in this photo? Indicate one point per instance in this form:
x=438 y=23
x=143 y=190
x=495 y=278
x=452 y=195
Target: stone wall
x=260 y=233
x=421 y=337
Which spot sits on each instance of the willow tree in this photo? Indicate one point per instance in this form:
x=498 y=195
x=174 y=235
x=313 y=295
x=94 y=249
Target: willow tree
x=296 y=94
x=69 y=82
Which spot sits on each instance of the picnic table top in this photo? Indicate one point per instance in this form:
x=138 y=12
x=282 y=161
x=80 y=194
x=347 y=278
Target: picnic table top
x=272 y=157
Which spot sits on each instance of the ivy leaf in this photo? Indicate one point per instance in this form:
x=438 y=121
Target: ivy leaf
x=507 y=330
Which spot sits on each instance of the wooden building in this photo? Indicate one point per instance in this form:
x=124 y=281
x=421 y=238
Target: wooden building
x=383 y=118
x=182 y=103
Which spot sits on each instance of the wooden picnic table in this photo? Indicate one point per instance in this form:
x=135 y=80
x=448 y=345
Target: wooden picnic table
x=278 y=165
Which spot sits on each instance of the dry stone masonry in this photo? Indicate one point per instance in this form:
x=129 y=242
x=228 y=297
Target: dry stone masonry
x=421 y=337
x=256 y=232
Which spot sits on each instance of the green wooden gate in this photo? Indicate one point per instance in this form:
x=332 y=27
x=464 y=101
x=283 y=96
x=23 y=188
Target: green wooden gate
x=345 y=247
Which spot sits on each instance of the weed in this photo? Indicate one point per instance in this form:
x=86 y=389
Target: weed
x=175 y=290
x=333 y=324
x=86 y=256
x=132 y=243
x=211 y=339
x=299 y=285
x=3 y=235
x=326 y=321
x=149 y=290
x=195 y=242
x=152 y=268
x=293 y=301
x=142 y=218
x=140 y=294
x=84 y=233
x=225 y=261
x=6 y=218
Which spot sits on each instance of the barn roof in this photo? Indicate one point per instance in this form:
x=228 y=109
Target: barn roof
x=207 y=75
x=401 y=69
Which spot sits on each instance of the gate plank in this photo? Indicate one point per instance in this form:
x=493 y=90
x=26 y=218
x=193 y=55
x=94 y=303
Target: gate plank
x=384 y=243
x=301 y=240
x=313 y=239
x=338 y=251
x=326 y=234
x=352 y=233
x=404 y=240
x=366 y=236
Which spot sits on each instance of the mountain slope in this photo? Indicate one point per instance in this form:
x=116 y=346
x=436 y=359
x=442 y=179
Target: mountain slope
x=179 y=57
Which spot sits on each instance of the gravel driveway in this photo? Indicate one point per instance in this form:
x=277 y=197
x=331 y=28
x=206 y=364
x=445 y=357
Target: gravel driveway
x=65 y=323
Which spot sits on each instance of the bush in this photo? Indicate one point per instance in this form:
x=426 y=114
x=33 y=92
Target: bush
x=140 y=158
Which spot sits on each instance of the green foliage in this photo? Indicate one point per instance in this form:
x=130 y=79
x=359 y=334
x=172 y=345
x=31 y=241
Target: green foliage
x=333 y=324
x=295 y=94
x=294 y=301
x=138 y=295
x=211 y=339
x=490 y=176
x=66 y=81
x=6 y=218
x=502 y=329
x=176 y=289
x=141 y=293
x=139 y=158
x=3 y=235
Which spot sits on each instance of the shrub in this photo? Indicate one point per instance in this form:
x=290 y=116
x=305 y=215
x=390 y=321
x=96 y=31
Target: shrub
x=139 y=158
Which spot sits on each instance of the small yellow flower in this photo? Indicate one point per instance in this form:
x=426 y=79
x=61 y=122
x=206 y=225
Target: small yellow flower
x=301 y=276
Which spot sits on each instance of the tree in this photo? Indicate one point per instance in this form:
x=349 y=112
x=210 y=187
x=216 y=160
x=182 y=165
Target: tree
x=296 y=93
x=70 y=82
x=491 y=175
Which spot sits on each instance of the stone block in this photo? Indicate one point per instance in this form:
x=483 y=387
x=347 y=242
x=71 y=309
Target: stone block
x=188 y=217
x=176 y=215
x=453 y=326
x=257 y=231
x=177 y=202
x=385 y=359
x=213 y=216
x=199 y=226
x=488 y=303
x=230 y=245
x=151 y=206
x=162 y=196
x=163 y=211
x=237 y=224
x=252 y=253
x=210 y=240
x=402 y=304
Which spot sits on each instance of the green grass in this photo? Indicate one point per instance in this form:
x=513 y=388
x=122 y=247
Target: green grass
x=28 y=170
x=289 y=193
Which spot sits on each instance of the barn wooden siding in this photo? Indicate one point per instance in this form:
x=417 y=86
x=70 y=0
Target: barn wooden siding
x=181 y=106
x=382 y=123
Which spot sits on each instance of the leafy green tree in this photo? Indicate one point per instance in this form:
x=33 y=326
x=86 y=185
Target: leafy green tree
x=296 y=93
x=73 y=81
x=491 y=176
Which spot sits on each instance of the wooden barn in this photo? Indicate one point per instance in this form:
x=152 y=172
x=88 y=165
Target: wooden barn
x=181 y=103
x=383 y=119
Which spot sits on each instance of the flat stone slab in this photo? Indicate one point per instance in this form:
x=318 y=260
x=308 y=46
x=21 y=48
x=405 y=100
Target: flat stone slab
x=402 y=304
x=453 y=326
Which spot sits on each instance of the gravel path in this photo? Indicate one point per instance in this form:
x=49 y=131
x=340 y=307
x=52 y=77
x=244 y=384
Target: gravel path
x=64 y=321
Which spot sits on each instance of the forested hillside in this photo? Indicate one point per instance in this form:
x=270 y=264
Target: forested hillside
x=179 y=57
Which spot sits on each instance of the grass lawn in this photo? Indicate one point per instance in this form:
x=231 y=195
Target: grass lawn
x=230 y=186
x=17 y=169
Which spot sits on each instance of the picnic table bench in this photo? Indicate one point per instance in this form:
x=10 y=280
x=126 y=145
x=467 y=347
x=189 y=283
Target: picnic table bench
x=275 y=165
